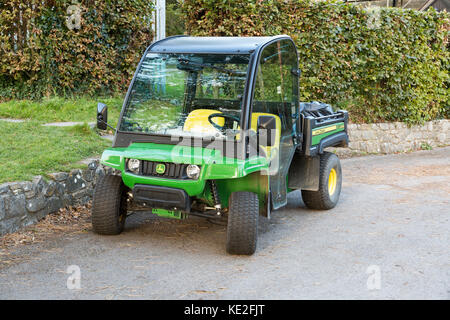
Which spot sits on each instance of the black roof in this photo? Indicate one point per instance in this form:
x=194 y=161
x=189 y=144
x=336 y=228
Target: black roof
x=232 y=45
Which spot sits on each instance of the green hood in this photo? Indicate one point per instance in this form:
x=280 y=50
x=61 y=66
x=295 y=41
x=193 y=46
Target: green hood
x=213 y=164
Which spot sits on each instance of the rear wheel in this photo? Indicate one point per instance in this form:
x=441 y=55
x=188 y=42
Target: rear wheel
x=330 y=183
x=242 y=230
x=109 y=206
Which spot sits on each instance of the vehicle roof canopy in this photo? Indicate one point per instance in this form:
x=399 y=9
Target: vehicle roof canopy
x=224 y=45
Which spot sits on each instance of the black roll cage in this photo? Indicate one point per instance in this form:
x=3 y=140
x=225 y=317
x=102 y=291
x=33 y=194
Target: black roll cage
x=124 y=139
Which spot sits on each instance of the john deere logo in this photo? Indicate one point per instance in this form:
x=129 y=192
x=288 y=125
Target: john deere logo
x=160 y=168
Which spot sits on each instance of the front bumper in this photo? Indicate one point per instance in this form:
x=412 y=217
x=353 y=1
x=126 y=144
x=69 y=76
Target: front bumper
x=162 y=197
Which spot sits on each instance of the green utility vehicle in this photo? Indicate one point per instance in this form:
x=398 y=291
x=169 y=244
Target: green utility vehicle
x=213 y=127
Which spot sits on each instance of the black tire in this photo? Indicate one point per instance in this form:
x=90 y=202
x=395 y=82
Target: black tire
x=322 y=199
x=109 y=206
x=242 y=230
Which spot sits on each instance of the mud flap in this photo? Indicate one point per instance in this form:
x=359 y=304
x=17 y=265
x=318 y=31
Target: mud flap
x=304 y=173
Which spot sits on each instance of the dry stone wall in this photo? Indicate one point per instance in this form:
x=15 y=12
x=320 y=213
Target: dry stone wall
x=395 y=137
x=24 y=203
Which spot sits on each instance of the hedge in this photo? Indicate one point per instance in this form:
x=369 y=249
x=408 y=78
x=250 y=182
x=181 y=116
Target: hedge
x=41 y=53
x=383 y=64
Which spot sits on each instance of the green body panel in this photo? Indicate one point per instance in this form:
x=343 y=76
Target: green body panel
x=230 y=174
x=256 y=182
x=325 y=131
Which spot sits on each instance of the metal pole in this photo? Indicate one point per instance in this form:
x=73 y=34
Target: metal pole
x=160 y=19
x=159 y=23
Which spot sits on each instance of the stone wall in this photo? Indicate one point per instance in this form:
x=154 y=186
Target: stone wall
x=24 y=203
x=395 y=137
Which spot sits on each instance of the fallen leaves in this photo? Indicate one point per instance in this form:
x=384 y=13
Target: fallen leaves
x=66 y=220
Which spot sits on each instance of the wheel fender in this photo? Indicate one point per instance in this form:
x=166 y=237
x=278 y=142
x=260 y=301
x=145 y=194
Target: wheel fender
x=304 y=173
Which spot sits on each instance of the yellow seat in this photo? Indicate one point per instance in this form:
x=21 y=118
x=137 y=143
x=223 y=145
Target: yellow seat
x=197 y=121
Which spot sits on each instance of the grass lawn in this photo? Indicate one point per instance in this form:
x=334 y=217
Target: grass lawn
x=58 y=109
x=28 y=148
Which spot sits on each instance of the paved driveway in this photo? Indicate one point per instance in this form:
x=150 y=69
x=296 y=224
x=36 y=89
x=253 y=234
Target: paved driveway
x=389 y=237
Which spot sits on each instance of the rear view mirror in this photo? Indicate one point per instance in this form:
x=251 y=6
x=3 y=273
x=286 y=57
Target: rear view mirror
x=266 y=130
x=102 y=116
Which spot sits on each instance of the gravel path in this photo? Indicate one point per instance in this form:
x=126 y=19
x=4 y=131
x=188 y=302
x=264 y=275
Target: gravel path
x=388 y=238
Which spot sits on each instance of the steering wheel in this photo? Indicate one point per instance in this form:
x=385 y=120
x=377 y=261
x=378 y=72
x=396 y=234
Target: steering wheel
x=222 y=115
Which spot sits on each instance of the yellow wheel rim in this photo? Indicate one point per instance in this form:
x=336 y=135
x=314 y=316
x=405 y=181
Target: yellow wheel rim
x=332 y=181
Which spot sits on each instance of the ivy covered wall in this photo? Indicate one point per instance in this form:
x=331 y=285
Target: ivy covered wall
x=70 y=46
x=381 y=64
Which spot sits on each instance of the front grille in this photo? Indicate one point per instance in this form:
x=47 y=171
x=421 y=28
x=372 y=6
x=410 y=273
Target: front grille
x=172 y=170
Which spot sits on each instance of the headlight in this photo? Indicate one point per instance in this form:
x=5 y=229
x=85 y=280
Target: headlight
x=133 y=165
x=193 y=171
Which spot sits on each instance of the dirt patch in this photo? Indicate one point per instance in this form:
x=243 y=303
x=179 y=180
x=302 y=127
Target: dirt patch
x=431 y=170
x=69 y=220
x=373 y=176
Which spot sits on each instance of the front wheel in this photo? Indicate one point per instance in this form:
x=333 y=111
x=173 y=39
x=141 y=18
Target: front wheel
x=109 y=206
x=242 y=229
x=330 y=183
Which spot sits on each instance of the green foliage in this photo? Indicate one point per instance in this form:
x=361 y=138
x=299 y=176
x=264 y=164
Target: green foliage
x=383 y=64
x=41 y=55
x=426 y=146
x=175 y=22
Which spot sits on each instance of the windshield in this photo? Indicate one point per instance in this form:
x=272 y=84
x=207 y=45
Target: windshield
x=187 y=94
